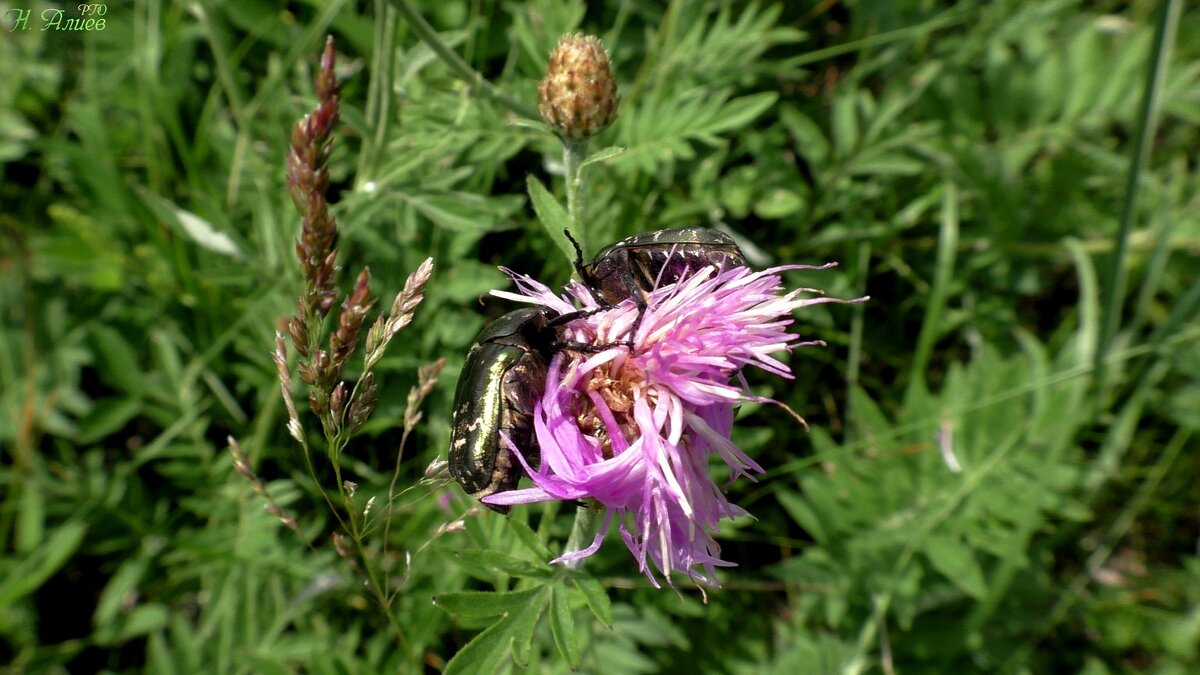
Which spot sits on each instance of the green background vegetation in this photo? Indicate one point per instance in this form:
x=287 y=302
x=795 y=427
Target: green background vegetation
x=975 y=494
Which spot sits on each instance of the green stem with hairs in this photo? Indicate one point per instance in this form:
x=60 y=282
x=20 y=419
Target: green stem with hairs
x=574 y=153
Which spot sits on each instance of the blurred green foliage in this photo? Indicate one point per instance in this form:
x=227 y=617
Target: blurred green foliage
x=971 y=498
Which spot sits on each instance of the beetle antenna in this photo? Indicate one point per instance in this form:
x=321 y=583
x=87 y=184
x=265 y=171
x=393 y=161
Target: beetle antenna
x=578 y=253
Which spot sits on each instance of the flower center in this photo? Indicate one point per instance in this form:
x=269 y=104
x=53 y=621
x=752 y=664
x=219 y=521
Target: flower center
x=608 y=393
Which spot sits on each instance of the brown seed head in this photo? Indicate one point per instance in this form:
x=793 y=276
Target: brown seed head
x=579 y=95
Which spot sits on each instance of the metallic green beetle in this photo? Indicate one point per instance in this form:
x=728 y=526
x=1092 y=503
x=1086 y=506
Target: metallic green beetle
x=632 y=267
x=503 y=377
x=635 y=266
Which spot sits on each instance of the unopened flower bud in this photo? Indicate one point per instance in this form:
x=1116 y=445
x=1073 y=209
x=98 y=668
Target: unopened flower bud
x=579 y=95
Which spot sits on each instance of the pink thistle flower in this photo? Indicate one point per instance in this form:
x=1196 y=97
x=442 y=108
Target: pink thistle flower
x=634 y=428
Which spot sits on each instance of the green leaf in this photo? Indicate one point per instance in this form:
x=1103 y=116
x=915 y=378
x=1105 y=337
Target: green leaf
x=808 y=136
x=470 y=281
x=529 y=539
x=457 y=211
x=845 y=125
x=885 y=164
x=562 y=625
x=31 y=520
x=479 y=604
x=778 y=204
x=121 y=586
x=265 y=665
x=596 y=598
x=602 y=156
x=158 y=655
x=659 y=134
x=1180 y=636
x=34 y=569
x=956 y=562
x=526 y=123
x=525 y=622
x=742 y=111
x=483 y=653
x=514 y=631
x=488 y=562
x=116 y=360
x=803 y=514
x=140 y=621
x=185 y=641
x=108 y=416
x=551 y=215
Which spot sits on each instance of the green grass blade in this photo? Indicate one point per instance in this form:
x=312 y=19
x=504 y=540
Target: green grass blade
x=1164 y=37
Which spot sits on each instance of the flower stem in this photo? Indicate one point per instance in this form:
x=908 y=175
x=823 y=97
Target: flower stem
x=582 y=533
x=574 y=152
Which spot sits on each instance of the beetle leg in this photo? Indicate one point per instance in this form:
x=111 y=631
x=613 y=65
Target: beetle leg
x=585 y=348
x=563 y=319
x=571 y=345
x=640 y=299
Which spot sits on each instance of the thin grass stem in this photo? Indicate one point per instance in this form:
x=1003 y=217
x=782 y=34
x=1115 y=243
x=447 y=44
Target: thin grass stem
x=1156 y=71
x=464 y=70
x=931 y=325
